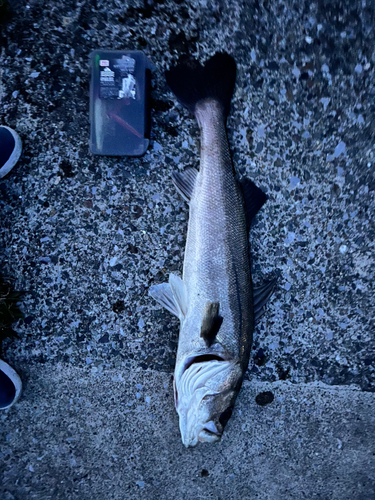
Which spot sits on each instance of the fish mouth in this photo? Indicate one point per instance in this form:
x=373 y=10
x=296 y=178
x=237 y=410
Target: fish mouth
x=206 y=436
x=209 y=433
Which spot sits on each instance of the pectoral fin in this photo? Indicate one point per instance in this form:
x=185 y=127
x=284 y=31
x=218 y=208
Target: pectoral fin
x=211 y=322
x=163 y=294
x=179 y=294
x=261 y=295
x=185 y=181
x=171 y=295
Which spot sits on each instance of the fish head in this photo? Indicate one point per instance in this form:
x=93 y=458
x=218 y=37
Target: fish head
x=205 y=392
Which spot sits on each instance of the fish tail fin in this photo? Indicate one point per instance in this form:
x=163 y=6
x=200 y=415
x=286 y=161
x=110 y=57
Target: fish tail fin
x=191 y=82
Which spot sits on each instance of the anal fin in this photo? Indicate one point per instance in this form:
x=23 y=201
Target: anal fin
x=211 y=322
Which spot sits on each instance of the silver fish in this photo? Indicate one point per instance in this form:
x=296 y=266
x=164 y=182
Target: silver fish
x=214 y=299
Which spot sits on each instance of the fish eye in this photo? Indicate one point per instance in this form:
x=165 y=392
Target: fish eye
x=225 y=416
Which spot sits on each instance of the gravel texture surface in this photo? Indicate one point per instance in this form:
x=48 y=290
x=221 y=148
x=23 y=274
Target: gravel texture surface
x=86 y=236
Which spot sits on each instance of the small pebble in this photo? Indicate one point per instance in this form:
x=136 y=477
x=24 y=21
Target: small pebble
x=296 y=72
x=290 y=238
x=141 y=323
x=339 y=149
x=113 y=261
x=294 y=181
x=260 y=131
x=45 y=260
x=325 y=101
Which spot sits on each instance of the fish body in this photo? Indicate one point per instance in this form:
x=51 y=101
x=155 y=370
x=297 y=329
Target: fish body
x=214 y=299
x=216 y=265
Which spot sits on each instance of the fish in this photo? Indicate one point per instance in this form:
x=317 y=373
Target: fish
x=214 y=300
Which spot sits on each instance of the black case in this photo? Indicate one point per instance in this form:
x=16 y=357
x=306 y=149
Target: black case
x=119 y=102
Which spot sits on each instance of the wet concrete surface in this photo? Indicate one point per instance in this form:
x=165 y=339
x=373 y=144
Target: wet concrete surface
x=86 y=236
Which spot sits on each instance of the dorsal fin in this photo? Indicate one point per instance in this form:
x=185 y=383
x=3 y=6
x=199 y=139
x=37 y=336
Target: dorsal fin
x=185 y=181
x=211 y=322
